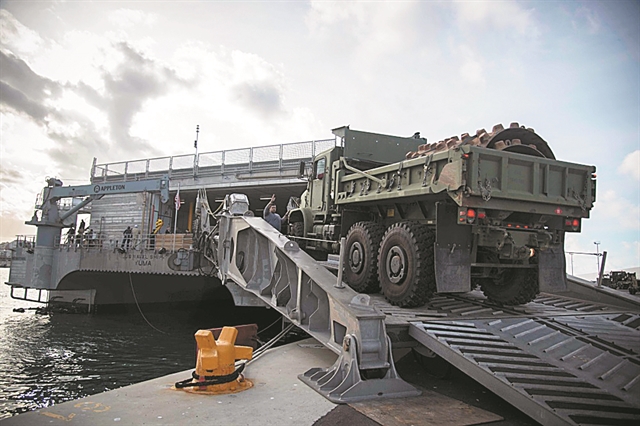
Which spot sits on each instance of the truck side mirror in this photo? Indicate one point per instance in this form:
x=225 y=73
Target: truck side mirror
x=301 y=169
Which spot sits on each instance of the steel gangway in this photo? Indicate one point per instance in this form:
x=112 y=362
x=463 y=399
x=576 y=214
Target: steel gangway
x=559 y=359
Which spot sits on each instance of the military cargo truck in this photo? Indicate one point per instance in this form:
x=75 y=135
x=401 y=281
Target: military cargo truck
x=621 y=280
x=489 y=209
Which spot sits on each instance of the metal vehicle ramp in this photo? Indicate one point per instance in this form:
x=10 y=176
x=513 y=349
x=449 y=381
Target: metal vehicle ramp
x=262 y=261
x=559 y=360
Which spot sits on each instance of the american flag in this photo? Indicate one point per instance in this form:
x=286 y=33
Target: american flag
x=177 y=199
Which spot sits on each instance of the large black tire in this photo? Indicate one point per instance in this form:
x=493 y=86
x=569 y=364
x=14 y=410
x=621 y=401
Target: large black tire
x=296 y=229
x=405 y=264
x=361 y=257
x=513 y=287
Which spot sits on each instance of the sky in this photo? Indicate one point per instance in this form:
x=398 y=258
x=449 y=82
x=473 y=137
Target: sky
x=125 y=80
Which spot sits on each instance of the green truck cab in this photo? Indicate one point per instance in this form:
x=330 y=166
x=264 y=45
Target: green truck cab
x=488 y=210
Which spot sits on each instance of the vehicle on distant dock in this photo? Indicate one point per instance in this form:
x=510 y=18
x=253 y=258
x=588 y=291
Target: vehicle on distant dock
x=621 y=280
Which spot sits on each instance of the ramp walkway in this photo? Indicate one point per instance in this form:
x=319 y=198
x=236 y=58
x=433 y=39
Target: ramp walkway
x=559 y=360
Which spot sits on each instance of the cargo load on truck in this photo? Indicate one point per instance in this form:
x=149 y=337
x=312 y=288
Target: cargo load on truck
x=487 y=209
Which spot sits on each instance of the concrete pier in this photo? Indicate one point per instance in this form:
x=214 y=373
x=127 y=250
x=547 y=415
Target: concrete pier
x=278 y=397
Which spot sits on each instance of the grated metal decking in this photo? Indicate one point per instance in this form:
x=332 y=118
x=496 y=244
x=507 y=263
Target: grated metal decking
x=557 y=359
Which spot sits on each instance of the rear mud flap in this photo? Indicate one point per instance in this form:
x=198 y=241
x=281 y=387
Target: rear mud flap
x=552 y=275
x=452 y=251
x=453 y=270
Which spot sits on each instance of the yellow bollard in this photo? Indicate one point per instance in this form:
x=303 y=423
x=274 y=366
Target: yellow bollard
x=215 y=372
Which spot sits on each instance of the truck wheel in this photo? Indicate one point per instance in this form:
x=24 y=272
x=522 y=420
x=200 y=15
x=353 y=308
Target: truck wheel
x=405 y=264
x=361 y=256
x=514 y=287
x=297 y=230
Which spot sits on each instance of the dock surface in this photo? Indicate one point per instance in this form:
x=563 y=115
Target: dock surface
x=277 y=398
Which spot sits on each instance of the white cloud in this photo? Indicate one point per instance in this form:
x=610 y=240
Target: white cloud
x=16 y=36
x=326 y=14
x=617 y=210
x=238 y=97
x=631 y=165
x=633 y=254
x=472 y=67
x=591 y=19
x=127 y=18
x=376 y=27
x=496 y=16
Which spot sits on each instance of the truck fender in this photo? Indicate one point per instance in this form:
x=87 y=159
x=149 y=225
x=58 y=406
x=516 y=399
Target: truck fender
x=304 y=215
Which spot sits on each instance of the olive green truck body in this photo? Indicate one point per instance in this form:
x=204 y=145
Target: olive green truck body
x=451 y=218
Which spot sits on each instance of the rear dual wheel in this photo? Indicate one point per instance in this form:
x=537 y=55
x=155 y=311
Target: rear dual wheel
x=512 y=287
x=508 y=286
x=361 y=260
x=406 y=264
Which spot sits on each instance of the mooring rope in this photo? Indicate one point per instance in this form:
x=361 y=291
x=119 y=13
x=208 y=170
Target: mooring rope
x=140 y=310
x=259 y=352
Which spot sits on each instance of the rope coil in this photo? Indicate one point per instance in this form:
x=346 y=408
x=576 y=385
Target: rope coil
x=209 y=380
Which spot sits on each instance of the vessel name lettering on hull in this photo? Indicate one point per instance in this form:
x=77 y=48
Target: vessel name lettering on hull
x=143 y=256
x=106 y=188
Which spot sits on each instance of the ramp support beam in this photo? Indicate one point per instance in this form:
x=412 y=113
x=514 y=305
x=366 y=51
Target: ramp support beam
x=260 y=260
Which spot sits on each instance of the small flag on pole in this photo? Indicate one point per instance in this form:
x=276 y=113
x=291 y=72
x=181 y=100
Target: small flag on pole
x=177 y=199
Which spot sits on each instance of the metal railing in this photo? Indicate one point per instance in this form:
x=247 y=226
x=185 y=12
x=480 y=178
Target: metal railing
x=270 y=157
x=97 y=242
x=23 y=241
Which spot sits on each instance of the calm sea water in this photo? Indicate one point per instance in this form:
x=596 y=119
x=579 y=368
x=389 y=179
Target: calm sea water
x=48 y=359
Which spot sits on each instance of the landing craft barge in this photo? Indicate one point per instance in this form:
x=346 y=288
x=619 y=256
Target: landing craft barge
x=161 y=261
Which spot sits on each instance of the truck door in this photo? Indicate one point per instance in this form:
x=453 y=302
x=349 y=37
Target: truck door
x=317 y=184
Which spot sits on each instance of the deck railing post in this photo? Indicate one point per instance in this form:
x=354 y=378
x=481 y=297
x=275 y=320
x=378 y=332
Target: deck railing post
x=195 y=164
x=250 y=159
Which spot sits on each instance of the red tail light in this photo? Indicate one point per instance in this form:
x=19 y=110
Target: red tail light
x=469 y=215
x=572 y=224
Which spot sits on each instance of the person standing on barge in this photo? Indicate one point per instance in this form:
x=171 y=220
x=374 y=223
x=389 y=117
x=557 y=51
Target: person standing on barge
x=126 y=241
x=272 y=217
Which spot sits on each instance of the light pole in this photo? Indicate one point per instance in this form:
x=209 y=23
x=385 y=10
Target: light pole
x=571 y=254
x=597 y=243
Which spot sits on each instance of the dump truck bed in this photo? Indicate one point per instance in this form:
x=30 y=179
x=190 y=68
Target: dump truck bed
x=479 y=177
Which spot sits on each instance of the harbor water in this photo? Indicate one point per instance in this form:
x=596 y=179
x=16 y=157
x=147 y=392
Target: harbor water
x=46 y=359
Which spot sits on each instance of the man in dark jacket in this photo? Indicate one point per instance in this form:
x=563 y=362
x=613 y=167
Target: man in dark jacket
x=269 y=214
